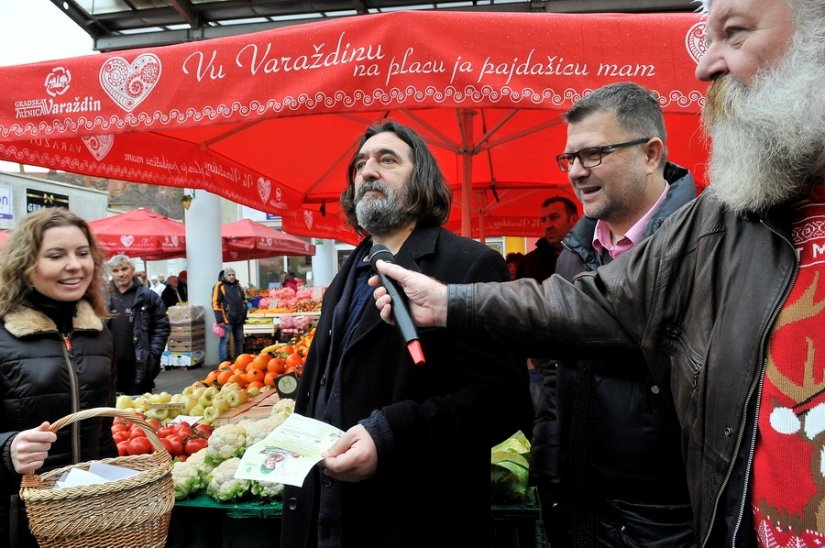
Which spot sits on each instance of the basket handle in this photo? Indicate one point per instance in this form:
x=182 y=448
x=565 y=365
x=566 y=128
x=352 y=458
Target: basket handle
x=129 y=415
x=110 y=412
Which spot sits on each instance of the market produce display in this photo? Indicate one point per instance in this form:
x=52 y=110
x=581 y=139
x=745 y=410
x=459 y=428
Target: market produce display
x=180 y=440
x=284 y=300
x=213 y=468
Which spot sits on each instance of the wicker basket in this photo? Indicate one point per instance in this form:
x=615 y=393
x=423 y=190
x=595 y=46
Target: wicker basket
x=132 y=512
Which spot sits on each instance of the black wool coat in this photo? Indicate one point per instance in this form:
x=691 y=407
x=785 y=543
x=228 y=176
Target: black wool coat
x=432 y=486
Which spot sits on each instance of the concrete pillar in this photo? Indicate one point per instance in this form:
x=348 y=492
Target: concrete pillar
x=204 y=260
x=324 y=262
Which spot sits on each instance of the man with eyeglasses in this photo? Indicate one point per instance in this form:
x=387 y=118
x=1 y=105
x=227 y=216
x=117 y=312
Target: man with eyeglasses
x=610 y=466
x=726 y=300
x=558 y=215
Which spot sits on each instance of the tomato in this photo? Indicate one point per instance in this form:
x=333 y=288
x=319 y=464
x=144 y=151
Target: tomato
x=183 y=430
x=177 y=445
x=154 y=424
x=174 y=445
x=193 y=445
x=139 y=446
x=136 y=432
x=204 y=429
x=120 y=427
x=120 y=436
x=123 y=449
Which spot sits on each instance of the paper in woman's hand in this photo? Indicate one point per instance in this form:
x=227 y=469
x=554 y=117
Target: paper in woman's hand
x=288 y=453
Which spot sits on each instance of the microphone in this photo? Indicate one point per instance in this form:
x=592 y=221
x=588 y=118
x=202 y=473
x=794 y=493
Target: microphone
x=400 y=314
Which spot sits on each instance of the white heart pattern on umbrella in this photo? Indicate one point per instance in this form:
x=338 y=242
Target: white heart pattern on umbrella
x=695 y=41
x=308 y=218
x=127 y=240
x=129 y=84
x=264 y=188
x=99 y=145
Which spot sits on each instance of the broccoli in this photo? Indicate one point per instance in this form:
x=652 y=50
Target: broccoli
x=223 y=486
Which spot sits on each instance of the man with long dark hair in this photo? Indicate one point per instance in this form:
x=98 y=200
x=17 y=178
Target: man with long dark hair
x=413 y=467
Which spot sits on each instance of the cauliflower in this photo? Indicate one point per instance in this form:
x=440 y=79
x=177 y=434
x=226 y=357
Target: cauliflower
x=258 y=429
x=198 y=461
x=187 y=479
x=226 y=441
x=223 y=487
x=267 y=489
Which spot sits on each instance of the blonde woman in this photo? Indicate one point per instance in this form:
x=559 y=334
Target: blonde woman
x=56 y=357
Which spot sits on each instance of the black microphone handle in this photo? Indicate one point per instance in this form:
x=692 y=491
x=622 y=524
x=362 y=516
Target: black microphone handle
x=400 y=314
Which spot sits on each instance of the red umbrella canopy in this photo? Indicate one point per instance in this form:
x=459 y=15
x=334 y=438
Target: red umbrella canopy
x=271 y=119
x=141 y=233
x=246 y=239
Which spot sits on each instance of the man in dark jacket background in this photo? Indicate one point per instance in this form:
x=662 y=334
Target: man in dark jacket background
x=620 y=478
x=558 y=215
x=139 y=325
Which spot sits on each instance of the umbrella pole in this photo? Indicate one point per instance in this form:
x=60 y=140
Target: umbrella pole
x=466 y=171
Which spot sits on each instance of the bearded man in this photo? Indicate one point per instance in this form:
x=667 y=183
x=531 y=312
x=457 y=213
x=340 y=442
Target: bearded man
x=724 y=300
x=411 y=431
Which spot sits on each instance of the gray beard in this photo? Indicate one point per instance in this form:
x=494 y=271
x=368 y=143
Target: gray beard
x=381 y=216
x=769 y=137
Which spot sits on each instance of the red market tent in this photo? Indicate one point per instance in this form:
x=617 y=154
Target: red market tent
x=141 y=233
x=246 y=239
x=270 y=119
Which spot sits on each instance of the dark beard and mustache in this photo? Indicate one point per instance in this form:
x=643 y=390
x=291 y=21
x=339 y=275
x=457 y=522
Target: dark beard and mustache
x=769 y=137
x=381 y=216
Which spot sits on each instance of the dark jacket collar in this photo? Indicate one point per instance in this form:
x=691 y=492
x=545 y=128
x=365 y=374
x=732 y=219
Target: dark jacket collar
x=681 y=190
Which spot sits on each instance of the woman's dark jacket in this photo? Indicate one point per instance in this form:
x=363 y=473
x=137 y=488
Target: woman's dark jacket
x=44 y=377
x=432 y=486
x=622 y=477
x=698 y=298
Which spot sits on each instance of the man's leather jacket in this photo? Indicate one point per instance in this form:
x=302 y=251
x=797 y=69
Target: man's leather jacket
x=698 y=299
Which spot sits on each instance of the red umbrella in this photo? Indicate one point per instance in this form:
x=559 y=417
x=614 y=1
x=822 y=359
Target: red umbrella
x=246 y=239
x=141 y=233
x=270 y=119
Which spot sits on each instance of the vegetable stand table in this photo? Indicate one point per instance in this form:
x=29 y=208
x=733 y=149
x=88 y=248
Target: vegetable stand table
x=201 y=522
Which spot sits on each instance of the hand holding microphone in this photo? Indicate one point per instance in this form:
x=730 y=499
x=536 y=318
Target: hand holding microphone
x=400 y=314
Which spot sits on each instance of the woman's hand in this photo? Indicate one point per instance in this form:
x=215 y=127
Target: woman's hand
x=29 y=448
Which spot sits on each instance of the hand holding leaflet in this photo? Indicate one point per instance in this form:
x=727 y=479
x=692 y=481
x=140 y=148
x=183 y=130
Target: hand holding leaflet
x=289 y=452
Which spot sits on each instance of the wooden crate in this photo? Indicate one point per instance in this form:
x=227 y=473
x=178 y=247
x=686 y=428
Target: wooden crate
x=258 y=407
x=187 y=328
x=186 y=342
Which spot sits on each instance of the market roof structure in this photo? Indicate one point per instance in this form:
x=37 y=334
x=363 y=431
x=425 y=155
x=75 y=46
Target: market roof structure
x=126 y=24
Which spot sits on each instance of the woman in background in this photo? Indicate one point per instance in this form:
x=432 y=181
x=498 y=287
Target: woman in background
x=56 y=358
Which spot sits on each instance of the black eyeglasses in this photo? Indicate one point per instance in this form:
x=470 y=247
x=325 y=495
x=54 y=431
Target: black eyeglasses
x=592 y=156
